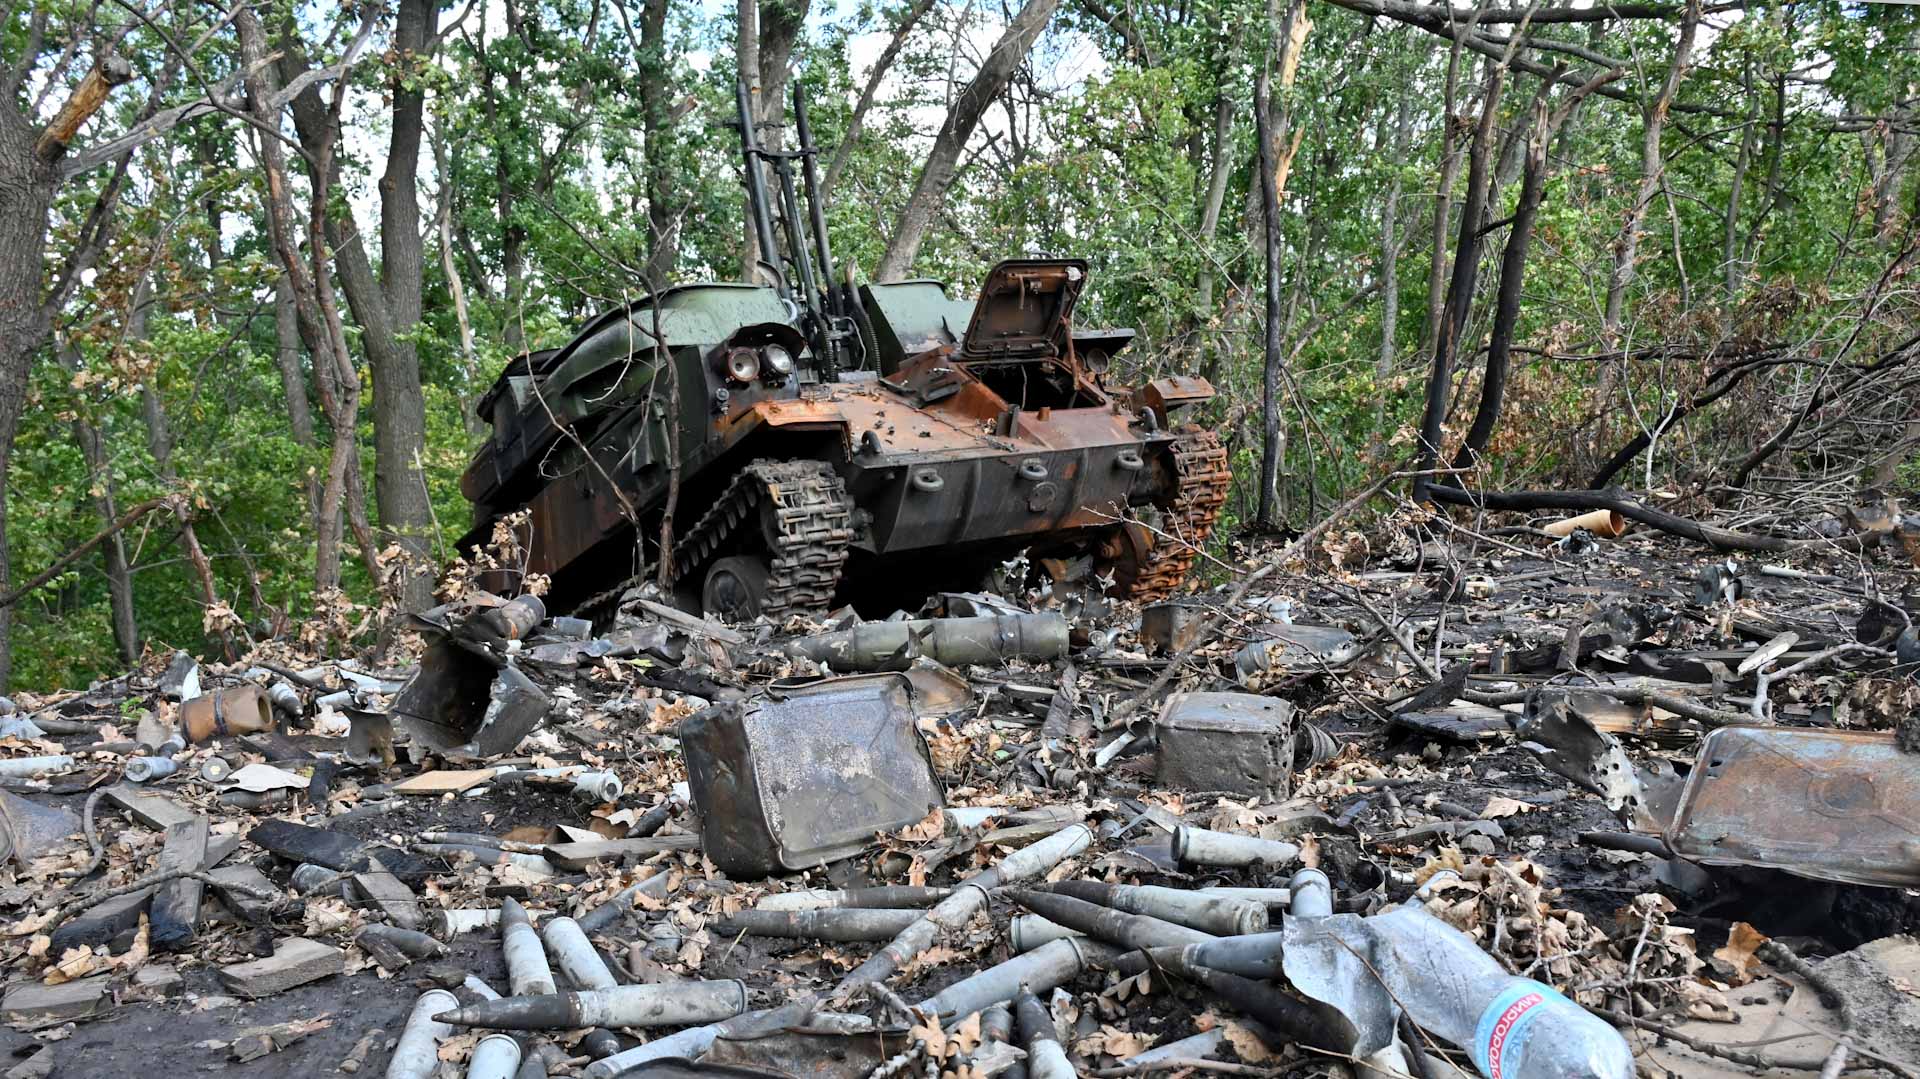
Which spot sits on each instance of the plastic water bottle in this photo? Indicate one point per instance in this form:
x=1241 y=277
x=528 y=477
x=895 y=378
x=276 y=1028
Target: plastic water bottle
x=1513 y=1027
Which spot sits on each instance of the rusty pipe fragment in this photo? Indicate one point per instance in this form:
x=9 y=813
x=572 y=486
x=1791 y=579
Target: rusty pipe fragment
x=897 y=896
x=968 y=897
x=1607 y=524
x=496 y=1056
x=879 y=646
x=1054 y=963
x=844 y=924
x=1102 y=923
x=527 y=970
x=1203 y=846
x=417 y=1056
x=671 y=1005
x=1045 y=1058
x=1209 y=914
x=235 y=710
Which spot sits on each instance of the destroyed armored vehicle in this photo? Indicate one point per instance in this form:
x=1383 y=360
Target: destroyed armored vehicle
x=839 y=444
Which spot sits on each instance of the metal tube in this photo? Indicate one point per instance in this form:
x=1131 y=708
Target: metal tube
x=575 y=955
x=1210 y=914
x=1131 y=930
x=891 y=897
x=1272 y=897
x=496 y=1056
x=1030 y=931
x=1045 y=1058
x=1054 y=963
x=687 y=1044
x=310 y=879
x=33 y=766
x=527 y=970
x=1312 y=894
x=835 y=924
x=418 y=1053
x=148 y=769
x=1203 y=846
x=671 y=1005
x=757 y=192
x=893 y=645
x=1256 y=955
x=605 y=914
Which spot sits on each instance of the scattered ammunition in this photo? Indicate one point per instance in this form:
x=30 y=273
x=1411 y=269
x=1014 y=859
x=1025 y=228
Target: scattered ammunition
x=284 y=698
x=1210 y=914
x=653 y=819
x=310 y=879
x=475 y=839
x=1030 y=931
x=676 y=1004
x=1196 y=1047
x=690 y=1043
x=1256 y=955
x=967 y=818
x=959 y=908
x=527 y=863
x=448 y=924
x=896 y=897
x=1312 y=894
x=33 y=766
x=257 y=799
x=996 y=1029
x=1309 y=1023
x=1045 y=1058
x=599 y=1042
x=527 y=970
x=215 y=770
x=574 y=954
x=148 y=769
x=599 y=786
x=1272 y=897
x=605 y=914
x=1131 y=930
x=417 y=1055
x=393 y=947
x=496 y=1056
x=835 y=924
x=473 y=984
x=1202 y=846
x=1054 y=963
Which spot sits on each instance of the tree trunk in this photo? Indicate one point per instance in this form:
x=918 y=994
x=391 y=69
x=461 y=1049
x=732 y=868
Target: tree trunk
x=1390 y=243
x=1443 y=202
x=1219 y=168
x=937 y=174
x=655 y=89
x=1652 y=163
x=1730 y=235
x=1270 y=367
x=27 y=182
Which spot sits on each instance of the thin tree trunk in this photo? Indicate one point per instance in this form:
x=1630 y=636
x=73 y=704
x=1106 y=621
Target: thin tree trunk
x=113 y=552
x=1443 y=200
x=27 y=182
x=1730 y=236
x=844 y=152
x=942 y=163
x=1219 y=168
x=293 y=381
x=1652 y=165
x=746 y=49
x=1270 y=367
x=1390 y=243
x=655 y=89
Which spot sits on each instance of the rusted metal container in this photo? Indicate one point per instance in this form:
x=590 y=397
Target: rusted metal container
x=235 y=710
x=1241 y=743
x=808 y=775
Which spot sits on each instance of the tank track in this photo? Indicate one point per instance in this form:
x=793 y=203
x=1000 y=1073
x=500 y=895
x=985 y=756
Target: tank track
x=1203 y=480
x=808 y=527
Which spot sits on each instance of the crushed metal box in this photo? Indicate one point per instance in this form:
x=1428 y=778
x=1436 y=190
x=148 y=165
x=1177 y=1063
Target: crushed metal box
x=807 y=775
x=1240 y=743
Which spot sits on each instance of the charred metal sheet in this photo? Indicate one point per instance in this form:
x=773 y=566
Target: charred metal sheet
x=1236 y=742
x=1826 y=804
x=809 y=775
x=1170 y=627
x=460 y=705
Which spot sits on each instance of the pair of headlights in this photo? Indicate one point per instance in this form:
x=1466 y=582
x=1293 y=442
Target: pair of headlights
x=745 y=364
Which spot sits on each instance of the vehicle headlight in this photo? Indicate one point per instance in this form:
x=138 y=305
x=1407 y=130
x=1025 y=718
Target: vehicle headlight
x=742 y=365
x=779 y=359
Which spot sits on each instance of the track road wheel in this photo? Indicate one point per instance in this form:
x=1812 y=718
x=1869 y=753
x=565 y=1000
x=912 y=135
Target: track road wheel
x=735 y=587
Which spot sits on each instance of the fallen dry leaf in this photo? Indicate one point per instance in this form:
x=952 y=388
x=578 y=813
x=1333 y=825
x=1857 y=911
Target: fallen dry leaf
x=1736 y=958
x=1498 y=807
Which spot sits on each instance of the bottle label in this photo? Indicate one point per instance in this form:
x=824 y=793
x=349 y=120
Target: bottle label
x=1506 y=1024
